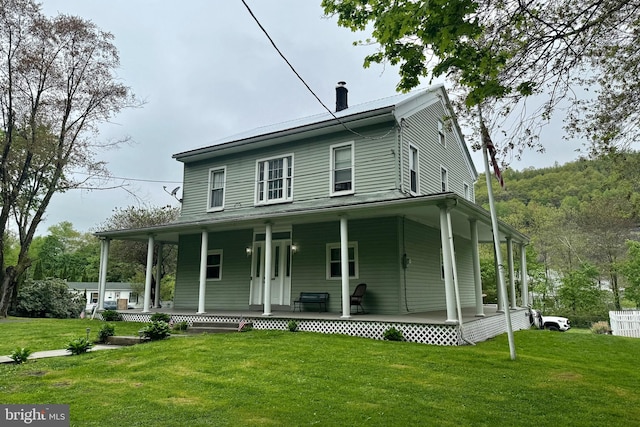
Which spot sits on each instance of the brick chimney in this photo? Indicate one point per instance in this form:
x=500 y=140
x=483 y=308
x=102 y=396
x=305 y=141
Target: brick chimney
x=341 y=96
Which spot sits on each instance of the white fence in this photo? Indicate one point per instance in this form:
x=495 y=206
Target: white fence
x=625 y=323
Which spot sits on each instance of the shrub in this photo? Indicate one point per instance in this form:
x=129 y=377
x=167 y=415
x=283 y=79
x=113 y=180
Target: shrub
x=393 y=334
x=156 y=330
x=180 y=326
x=48 y=298
x=20 y=355
x=292 y=325
x=79 y=346
x=600 y=328
x=157 y=317
x=106 y=330
x=111 y=316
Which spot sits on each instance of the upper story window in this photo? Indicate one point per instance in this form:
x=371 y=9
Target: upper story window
x=274 y=180
x=444 y=179
x=342 y=169
x=216 y=189
x=467 y=191
x=441 y=134
x=413 y=169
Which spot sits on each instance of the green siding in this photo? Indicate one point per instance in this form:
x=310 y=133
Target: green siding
x=232 y=291
x=421 y=130
x=375 y=169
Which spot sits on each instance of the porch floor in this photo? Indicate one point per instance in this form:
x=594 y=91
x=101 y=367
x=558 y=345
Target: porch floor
x=430 y=317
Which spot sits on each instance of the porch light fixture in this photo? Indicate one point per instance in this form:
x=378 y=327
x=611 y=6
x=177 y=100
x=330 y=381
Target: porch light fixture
x=248 y=250
x=294 y=248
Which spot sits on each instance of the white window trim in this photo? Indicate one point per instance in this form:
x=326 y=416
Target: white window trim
x=442 y=134
x=466 y=190
x=215 y=252
x=446 y=182
x=285 y=198
x=330 y=246
x=331 y=169
x=417 y=166
x=224 y=189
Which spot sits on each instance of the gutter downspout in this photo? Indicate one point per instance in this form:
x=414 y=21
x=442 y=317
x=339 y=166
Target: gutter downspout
x=401 y=154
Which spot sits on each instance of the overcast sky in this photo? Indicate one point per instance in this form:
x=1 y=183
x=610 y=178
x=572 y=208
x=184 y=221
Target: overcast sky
x=207 y=71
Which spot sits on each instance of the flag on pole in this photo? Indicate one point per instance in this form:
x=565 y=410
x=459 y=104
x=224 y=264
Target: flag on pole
x=241 y=324
x=492 y=153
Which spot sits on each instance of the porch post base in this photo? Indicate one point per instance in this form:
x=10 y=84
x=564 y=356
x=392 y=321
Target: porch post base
x=345 y=317
x=450 y=322
x=500 y=311
x=480 y=315
x=267 y=314
x=201 y=312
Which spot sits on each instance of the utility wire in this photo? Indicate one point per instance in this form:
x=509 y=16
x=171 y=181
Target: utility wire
x=303 y=81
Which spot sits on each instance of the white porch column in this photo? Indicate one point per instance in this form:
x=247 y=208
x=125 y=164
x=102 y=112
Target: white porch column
x=524 y=277
x=149 y=274
x=344 y=268
x=204 y=250
x=450 y=295
x=475 y=259
x=268 y=237
x=104 y=261
x=496 y=267
x=512 y=276
x=156 y=300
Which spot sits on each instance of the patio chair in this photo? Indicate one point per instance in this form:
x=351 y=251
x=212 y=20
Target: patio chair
x=358 y=296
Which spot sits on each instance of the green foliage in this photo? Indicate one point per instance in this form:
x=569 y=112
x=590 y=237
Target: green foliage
x=601 y=328
x=393 y=334
x=20 y=355
x=180 y=326
x=106 y=330
x=580 y=293
x=111 y=316
x=156 y=317
x=48 y=298
x=79 y=346
x=631 y=272
x=157 y=330
x=292 y=326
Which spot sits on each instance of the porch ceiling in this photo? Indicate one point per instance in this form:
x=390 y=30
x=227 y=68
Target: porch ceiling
x=422 y=209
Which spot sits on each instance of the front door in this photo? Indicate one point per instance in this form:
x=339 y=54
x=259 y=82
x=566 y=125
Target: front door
x=280 y=272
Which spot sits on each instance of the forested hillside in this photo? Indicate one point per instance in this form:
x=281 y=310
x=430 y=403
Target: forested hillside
x=583 y=219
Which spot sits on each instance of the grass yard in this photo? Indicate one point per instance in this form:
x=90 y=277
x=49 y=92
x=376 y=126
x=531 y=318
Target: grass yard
x=278 y=378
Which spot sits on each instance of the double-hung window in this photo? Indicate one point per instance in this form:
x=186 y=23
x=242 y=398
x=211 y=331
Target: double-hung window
x=342 y=169
x=444 y=179
x=413 y=169
x=214 y=264
x=441 y=134
x=334 y=262
x=216 y=189
x=274 y=180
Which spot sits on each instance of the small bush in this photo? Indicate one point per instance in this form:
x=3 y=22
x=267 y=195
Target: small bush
x=393 y=334
x=106 y=330
x=160 y=317
x=180 y=326
x=79 y=346
x=20 y=355
x=600 y=328
x=111 y=316
x=293 y=326
x=156 y=330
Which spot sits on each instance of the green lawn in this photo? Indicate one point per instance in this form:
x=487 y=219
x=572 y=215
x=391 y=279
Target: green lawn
x=278 y=378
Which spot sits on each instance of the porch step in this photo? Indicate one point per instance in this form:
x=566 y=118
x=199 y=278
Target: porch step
x=215 y=327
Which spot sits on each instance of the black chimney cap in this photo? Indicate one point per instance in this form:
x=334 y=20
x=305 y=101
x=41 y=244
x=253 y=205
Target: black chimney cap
x=341 y=96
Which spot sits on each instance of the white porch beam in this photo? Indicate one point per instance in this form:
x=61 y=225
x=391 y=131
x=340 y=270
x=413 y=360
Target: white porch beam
x=512 y=276
x=344 y=268
x=475 y=259
x=268 y=238
x=156 y=300
x=448 y=268
x=202 y=281
x=149 y=275
x=524 y=277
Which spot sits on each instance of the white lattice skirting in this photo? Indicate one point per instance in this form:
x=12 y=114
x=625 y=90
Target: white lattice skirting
x=476 y=331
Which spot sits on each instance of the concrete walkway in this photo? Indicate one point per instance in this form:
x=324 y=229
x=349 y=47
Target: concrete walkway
x=57 y=353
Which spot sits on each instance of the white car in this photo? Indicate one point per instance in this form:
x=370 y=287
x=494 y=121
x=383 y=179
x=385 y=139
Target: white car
x=552 y=323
